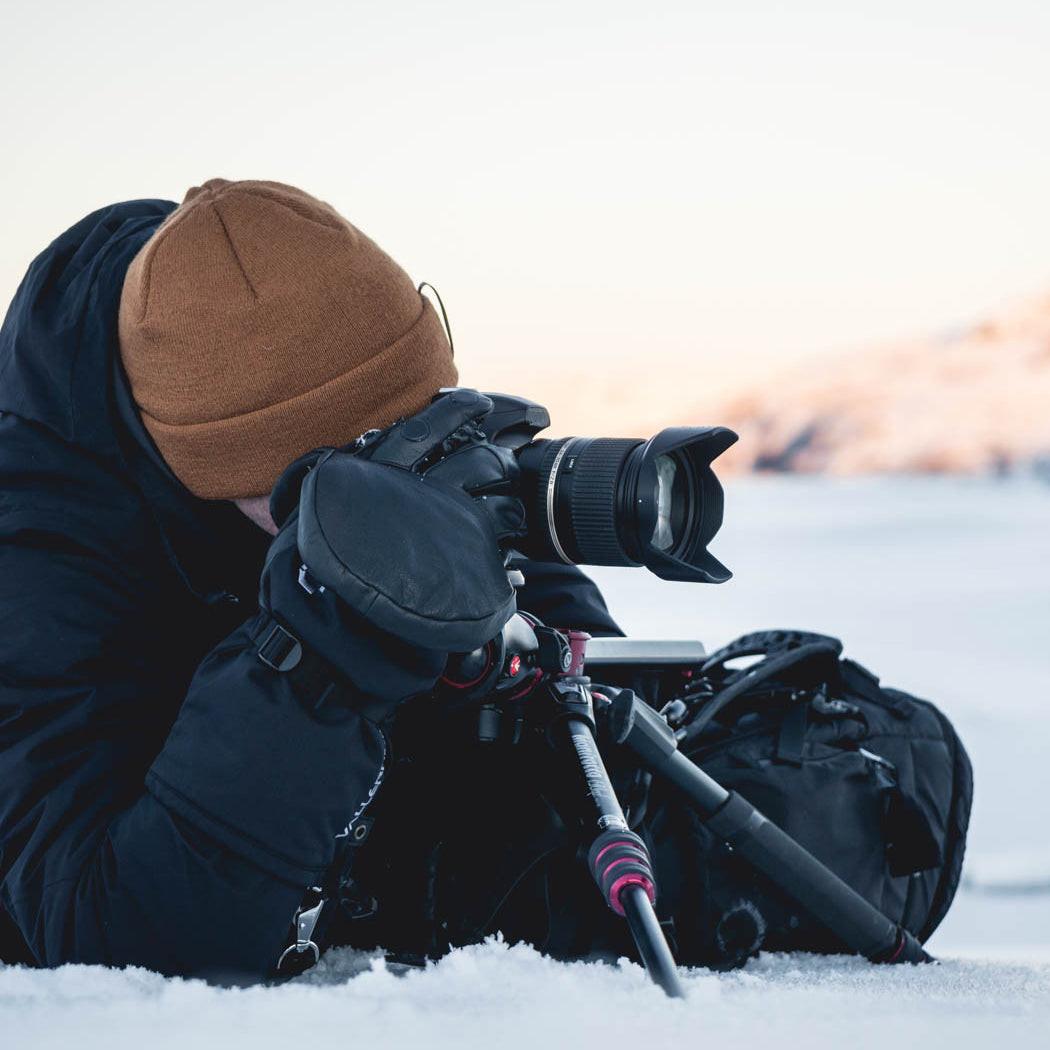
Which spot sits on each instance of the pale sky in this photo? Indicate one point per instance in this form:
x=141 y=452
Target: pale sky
x=621 y=203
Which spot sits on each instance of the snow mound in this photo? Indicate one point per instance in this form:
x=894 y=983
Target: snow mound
x=494 y=995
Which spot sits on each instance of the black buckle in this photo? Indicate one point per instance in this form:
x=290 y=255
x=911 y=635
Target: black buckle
x=280 y=651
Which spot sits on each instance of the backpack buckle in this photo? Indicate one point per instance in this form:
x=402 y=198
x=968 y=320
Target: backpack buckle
x=281 y=651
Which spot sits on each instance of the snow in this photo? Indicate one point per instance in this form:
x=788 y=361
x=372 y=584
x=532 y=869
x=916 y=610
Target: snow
x=510 y=998
x=941 y=586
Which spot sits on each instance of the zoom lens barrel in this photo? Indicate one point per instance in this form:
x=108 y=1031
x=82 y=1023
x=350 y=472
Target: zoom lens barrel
x=617 y=501
x=573 y=495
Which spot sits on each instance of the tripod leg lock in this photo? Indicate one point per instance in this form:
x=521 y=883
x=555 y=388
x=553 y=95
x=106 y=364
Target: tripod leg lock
x=617 y=860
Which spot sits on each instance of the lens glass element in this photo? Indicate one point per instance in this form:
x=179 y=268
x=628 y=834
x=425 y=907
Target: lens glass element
x=664 y=530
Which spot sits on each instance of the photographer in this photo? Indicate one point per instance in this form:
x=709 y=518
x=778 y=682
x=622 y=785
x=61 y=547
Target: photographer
x=188 y=732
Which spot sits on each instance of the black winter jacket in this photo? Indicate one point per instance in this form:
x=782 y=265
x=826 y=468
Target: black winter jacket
x=164 y=801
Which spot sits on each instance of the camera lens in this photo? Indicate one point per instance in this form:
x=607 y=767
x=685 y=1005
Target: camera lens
x=616 y=501
x=624 y=501
x=573 y=498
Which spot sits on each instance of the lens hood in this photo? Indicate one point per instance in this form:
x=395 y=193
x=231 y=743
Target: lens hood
x=695 y=448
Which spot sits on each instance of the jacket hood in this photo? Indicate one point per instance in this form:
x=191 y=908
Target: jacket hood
x=59 y=338
x=60 y=368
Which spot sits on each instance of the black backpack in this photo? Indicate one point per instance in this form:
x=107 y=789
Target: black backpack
x=871 y=780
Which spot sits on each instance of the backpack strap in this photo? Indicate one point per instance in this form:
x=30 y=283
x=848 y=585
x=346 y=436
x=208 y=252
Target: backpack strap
x=857 y=678
x=792 y=736
x=781 y=657
x=911 y=845
x=768 y=643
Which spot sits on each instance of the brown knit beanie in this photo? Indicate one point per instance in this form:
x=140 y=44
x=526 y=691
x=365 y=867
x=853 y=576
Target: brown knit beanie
x=257 y=323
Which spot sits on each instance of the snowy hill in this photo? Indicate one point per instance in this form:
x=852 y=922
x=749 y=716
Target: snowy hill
x=970 y=401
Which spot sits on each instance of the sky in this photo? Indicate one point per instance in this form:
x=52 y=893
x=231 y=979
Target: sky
x=623 y=205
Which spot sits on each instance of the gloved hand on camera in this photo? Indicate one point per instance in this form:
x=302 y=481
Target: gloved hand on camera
x=388 y=557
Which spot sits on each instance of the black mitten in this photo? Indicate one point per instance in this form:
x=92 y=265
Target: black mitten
x=407 y=531
x=379 y=669
x=388 y=556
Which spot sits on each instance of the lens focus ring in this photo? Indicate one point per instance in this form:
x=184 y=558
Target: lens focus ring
x=591 y=491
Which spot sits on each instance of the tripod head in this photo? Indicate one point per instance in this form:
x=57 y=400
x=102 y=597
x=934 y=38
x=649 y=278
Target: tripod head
x=516 y=665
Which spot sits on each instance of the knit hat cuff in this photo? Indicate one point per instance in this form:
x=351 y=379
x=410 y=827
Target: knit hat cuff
x=257 y=446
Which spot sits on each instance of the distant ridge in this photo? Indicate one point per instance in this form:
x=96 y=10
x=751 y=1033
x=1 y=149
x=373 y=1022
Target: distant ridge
x=969 y=402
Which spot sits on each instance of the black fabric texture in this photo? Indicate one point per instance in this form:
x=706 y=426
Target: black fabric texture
x=381 y=666
x=412 y=556
x=406 y=529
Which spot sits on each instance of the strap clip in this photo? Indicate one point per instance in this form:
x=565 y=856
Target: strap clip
x=305 y=923
x=281 y=651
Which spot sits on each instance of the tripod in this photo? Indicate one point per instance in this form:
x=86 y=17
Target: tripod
x=535 y=673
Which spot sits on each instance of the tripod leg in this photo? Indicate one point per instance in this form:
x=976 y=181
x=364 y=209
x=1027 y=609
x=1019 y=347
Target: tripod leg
x=795 y=870
x=619 y=860
x=857 y=923
x=650 y=941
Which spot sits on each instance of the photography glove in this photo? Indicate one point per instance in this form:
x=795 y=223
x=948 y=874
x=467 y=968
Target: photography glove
x=445 y=443
x=390 y=559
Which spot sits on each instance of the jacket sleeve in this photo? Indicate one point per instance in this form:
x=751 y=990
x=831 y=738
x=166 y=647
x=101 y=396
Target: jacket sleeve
x=562 y=596
x=145 y=820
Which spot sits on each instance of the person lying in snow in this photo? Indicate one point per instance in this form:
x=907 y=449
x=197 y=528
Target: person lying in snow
x=211 y=766
x=167 y=800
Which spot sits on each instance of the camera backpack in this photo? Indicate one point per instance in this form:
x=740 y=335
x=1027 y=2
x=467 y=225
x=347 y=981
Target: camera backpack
x=871 y=780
